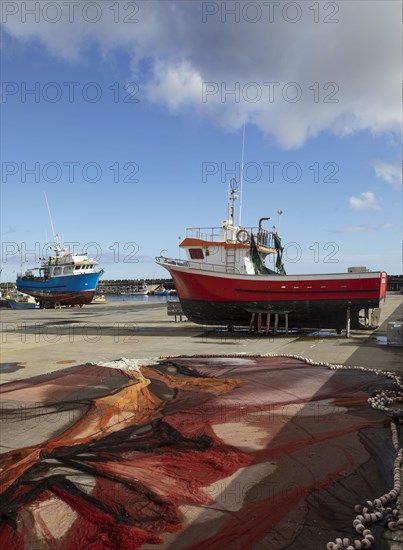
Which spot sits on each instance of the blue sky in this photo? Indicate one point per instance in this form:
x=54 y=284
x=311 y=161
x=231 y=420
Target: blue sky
x=135 y=127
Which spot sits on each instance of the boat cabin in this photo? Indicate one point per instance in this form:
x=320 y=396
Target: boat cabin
x=228 y=248
x=62 y=264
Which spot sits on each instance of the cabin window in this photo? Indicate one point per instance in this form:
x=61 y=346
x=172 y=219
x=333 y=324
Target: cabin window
x=196 y=253
x=57 y=271
x=77 y=267
x=68 y=269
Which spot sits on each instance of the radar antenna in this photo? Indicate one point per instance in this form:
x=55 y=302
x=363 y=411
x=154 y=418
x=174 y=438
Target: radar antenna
x=232 y=197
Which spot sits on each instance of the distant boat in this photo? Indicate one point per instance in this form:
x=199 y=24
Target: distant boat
x=66 y=278
x=19 y=300
x=100 y=299
x=139 y=290
x=3 y=301
x=162 y=291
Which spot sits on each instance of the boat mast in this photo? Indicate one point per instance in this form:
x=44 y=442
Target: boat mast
x=241 y=178
x=55 y=236
x=232 y=197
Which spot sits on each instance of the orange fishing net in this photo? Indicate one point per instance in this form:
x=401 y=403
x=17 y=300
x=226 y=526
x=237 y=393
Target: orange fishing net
x=193 y=453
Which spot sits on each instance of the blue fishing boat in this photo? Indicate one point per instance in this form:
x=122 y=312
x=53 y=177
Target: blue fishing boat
x=161 y=291
x=66 y=278
x=19 y=300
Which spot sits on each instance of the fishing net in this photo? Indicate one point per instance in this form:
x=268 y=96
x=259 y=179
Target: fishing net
x=200 y=452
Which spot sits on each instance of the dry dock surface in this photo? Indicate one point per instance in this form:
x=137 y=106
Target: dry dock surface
x=41 y=341
x=36 y=342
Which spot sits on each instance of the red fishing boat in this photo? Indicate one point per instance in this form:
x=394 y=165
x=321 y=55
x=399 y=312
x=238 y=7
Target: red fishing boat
x=224 y=281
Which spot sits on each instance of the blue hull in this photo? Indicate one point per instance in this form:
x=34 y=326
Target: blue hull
x=13 y=304
x=68 y=289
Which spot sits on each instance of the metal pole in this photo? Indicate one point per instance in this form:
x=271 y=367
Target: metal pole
x=241 y=178
x=279 y=212
x=267 y=323
x=275 y=324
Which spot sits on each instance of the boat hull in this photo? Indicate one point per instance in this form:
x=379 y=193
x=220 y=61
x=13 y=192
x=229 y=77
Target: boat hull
x=66 y=290
x=311 y=301
x=14 y=304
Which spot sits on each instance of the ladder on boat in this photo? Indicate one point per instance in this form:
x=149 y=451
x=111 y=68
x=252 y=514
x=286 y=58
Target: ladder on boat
x=230 y=260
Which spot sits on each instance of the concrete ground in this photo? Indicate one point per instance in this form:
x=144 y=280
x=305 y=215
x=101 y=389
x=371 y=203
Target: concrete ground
x=39 y=341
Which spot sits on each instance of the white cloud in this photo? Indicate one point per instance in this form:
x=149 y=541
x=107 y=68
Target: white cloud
x=356 y=229
x=347 y=82
x=366 y=201
x=390 y=172
x=176 y=85
x=364 y=228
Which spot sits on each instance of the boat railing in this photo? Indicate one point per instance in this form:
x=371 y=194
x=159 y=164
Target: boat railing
x=263 y=237
x=204 y=233
x=191 y=264
x=215 y=234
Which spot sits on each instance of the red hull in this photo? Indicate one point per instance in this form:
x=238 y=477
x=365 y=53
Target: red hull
x=78 y=298
x=195 y=285
x=227 y=298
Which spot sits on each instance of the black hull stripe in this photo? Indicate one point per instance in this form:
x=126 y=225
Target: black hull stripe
x=302 y=313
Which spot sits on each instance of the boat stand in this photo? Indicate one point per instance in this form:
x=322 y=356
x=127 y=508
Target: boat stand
x=348 y=323
x=266 y=325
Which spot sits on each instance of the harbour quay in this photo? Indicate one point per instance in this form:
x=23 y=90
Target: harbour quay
x=115 y=288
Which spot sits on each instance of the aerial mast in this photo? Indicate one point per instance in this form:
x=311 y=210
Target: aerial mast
x=241 y=177
x=232 y=197
x=55 y=236
x=50 y=215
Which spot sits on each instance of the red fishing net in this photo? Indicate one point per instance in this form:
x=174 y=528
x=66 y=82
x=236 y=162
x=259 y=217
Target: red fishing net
x=194 y=453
